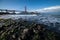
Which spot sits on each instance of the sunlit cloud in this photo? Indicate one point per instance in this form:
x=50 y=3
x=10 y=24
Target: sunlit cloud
x=50 y=9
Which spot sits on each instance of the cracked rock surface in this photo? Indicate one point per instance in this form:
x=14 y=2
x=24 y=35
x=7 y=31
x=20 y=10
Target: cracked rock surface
x=25 y=30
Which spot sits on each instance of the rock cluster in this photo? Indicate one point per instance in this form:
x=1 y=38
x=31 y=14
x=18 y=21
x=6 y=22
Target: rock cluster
x=25 y=30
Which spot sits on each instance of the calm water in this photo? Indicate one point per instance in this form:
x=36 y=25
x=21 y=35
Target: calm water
x=15 y=16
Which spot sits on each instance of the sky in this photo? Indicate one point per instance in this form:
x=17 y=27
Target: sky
x=32 y=5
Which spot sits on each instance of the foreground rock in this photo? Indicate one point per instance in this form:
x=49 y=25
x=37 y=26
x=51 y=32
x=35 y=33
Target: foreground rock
x=25 y=30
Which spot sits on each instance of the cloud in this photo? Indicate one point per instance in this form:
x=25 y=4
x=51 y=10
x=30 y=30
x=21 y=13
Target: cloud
x=50 y=9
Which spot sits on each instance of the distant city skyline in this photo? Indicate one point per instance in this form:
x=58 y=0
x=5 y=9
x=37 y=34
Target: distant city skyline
x=32 y=5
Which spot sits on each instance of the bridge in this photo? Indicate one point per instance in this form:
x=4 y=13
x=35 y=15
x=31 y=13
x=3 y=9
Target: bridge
x=5 y=11
x=9 y=11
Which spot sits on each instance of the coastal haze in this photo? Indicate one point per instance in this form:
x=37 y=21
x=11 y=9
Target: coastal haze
x=29 y=19
x=46 y=12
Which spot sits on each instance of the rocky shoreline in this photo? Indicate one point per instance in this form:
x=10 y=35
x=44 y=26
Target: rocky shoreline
x=25 y=30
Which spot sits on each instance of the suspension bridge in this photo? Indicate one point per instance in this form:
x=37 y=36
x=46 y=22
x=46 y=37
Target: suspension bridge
x=9 y=11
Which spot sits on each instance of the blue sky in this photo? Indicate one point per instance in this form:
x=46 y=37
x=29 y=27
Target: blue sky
x=31 y=4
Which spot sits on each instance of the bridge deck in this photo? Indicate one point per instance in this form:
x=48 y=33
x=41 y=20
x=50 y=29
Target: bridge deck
x=5 y=11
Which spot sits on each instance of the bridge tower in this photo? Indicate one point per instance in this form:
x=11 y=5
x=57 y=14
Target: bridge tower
x=25 y=9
